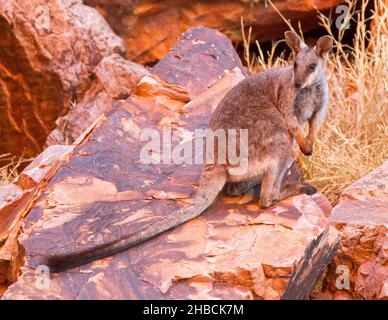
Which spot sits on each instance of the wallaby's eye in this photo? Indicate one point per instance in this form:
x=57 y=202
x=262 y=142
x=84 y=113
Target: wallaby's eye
x=312 y=66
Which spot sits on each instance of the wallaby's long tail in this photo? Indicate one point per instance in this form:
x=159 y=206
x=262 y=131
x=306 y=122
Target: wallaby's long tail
x=205 y=196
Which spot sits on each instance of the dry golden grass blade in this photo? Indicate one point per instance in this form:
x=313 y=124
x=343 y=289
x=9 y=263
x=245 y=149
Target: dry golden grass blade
x=10 y=171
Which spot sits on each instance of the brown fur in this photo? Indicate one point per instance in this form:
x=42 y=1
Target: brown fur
x=272 y=105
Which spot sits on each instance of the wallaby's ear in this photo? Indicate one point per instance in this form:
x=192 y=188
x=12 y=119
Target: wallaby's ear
x=324 y=46
x=294 y=41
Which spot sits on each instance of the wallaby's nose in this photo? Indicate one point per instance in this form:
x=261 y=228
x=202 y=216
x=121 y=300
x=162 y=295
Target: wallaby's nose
x=298 y=83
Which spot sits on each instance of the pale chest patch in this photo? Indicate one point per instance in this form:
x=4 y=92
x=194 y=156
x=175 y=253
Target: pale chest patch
x=307 y=102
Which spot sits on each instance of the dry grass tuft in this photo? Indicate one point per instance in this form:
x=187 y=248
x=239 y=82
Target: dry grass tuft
x=9 y=172
x=354 y=138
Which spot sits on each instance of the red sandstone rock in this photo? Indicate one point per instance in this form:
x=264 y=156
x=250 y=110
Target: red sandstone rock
x=9 y=193
x=10 y=197
x=114 y=79
x=362 y=217
x=48 y=52
x=338 y=295
x=37 y=169
x=15 y=203
x=234 y=250
x=321 y=296
x=384 y=291
x=10 y=260
x=150 y=28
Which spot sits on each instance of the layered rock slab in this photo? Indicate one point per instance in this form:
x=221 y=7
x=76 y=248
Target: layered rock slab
x=362 y=217
x=10 y=197
x=16 y=201
x=114 y=78
x=234 y=250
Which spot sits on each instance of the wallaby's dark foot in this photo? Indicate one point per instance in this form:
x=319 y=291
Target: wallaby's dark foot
x=235 y=189
x=309 y=145
x=265 y=203
x=308 y=189
x=307 y=149
x=290 y=190
x=296 y=188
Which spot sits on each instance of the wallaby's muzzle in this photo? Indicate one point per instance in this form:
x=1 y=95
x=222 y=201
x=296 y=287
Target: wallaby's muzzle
x=298 y=83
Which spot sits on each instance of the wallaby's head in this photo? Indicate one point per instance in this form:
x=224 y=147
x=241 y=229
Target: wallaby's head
x=309 y=63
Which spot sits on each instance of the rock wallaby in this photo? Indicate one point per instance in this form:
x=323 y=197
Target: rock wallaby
x=273 y=105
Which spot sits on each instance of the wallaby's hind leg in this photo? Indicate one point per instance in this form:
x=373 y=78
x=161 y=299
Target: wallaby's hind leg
x=296 y=188
x=235 y=189
x=270 y=187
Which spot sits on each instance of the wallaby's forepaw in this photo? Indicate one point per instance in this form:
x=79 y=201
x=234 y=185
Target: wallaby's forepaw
x=307 y=149
x=308 y=189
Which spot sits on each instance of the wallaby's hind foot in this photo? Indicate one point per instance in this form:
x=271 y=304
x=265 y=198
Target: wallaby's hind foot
x=289 y=190
x=270 y=186
x=235 y=189
x=272 y=191
x=308 y=189
x=296 y=188
x=266 y=203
